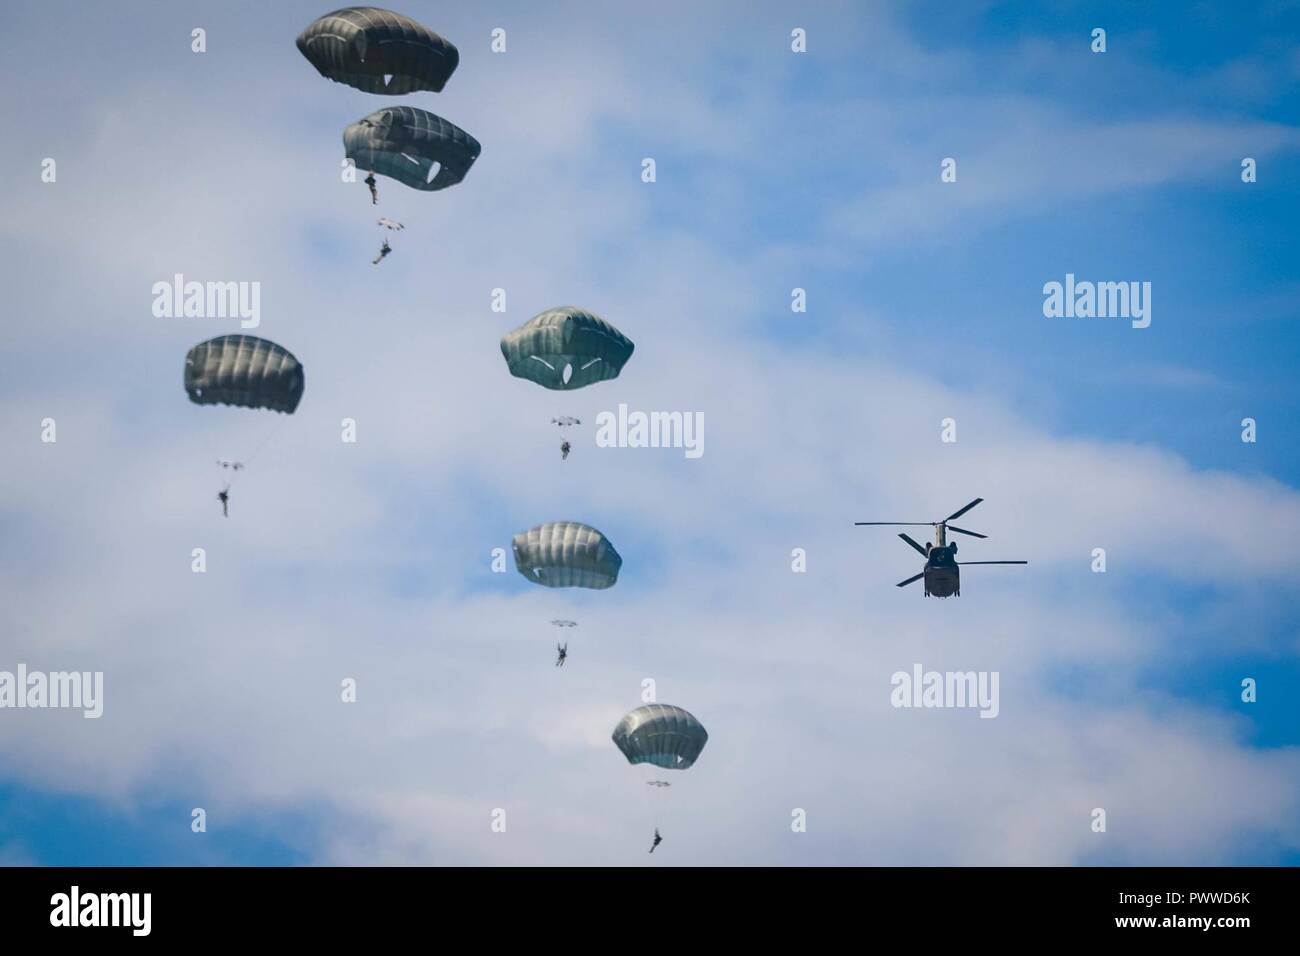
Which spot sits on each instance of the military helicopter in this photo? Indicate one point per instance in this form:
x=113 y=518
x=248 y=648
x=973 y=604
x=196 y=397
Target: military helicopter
x=942 y=573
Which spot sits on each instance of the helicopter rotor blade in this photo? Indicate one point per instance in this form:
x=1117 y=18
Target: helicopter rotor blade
x=963 y=564
x=900 y=524
x=915 y=545
x=973 y=534
x=958 y=514
x=915 y=577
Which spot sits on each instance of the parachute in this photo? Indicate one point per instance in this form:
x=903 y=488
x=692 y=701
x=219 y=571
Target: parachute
x=566 y=348
x=566 y=554
x=662 y=735
x=246 y=371
x=378 y=51
x=413 y=146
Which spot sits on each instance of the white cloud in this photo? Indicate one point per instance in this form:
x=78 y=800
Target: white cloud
x=371 y=561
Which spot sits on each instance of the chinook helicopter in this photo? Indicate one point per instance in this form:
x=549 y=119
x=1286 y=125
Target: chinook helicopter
x=942 y=573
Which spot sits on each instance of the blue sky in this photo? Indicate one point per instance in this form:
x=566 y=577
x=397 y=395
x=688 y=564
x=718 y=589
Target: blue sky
x=775 y=171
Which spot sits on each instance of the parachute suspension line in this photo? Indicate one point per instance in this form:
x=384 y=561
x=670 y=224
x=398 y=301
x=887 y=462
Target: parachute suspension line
x=653 y=781
x=661 y=802
x=647 y=774
x=271 y=431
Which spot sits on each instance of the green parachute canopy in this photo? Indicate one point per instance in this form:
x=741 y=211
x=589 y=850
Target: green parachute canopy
x=661 y=734
x=378 y=51
x=566 y=348
x=413 y=146
x=566 y=554
x=246 y=371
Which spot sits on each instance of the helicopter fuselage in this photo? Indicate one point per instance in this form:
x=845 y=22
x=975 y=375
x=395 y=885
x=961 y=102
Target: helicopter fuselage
x=942 y=582
x=942 y=575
